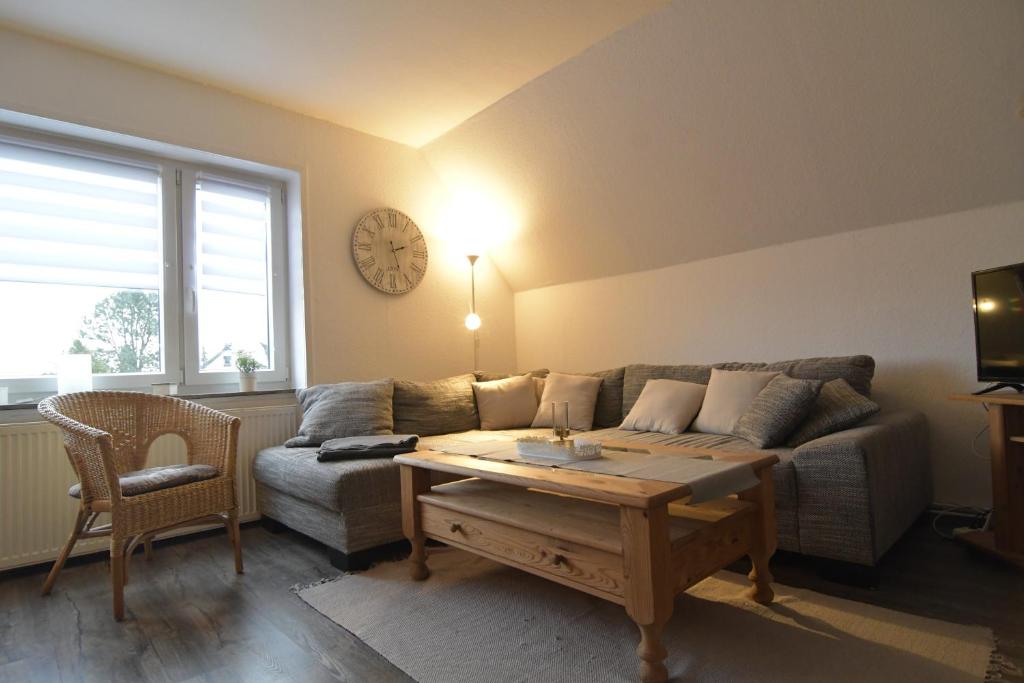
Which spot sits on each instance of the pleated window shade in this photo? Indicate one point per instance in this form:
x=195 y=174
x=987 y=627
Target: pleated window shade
x=232 y=222
x=76 y=220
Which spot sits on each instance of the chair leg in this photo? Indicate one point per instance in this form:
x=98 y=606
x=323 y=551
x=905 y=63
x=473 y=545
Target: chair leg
x=149 y=548
x=235 y=536
x=117 y=576
x=65 y=551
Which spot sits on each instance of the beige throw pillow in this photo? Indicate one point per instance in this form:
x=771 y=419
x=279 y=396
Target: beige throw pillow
x=729 y=395
x=665 y=405
x=506 y=403
x=581 y=393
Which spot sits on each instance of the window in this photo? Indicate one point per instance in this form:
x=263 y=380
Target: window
x=160 y=270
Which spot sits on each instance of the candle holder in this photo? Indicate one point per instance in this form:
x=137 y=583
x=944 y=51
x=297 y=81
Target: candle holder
x=560 y=420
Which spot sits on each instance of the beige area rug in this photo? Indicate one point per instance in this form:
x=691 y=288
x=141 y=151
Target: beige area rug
x=474 y=620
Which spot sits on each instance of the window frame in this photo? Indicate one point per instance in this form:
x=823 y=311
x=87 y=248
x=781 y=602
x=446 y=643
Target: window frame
x=179 y=340
x=276 y=276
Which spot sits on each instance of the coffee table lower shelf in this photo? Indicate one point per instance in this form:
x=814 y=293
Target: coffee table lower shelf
x=607 y=550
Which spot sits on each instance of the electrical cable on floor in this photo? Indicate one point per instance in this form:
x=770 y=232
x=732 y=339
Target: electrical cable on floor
x=976 y=513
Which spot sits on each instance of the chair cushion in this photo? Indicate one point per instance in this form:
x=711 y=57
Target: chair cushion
x=157 y=478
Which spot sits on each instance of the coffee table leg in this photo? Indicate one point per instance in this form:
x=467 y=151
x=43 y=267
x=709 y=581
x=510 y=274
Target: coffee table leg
x=649 y=594
x=764 y=539
x=415 y=480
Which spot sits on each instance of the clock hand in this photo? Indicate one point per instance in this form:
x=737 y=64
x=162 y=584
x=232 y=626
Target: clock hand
x=394 y=254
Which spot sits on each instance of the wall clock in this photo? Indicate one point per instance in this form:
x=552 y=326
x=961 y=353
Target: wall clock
x=390 y=251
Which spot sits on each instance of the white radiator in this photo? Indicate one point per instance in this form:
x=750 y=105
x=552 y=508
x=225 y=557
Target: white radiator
x=36 y=512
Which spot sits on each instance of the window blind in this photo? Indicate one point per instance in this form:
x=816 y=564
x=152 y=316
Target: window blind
x=231 y=237
x=77 y=220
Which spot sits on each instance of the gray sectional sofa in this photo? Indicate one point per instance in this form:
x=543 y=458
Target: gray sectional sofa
x=847 y=496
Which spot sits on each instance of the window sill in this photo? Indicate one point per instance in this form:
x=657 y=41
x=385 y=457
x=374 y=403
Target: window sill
x=28 y=412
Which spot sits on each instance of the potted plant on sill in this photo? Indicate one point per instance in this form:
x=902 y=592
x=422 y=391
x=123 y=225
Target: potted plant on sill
x=247 y=367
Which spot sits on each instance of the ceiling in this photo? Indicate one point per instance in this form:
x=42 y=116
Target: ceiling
x=406 y=70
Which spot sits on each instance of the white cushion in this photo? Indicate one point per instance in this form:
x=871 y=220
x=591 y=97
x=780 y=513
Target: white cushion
x=506 y=403
x=730 y=393
x=581 y=393
x=665 y=405
x=538 y=384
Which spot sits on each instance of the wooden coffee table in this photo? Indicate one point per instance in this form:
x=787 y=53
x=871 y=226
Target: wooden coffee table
x=634 y=542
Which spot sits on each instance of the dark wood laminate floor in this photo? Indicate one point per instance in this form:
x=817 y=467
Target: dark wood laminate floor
x=190 y=618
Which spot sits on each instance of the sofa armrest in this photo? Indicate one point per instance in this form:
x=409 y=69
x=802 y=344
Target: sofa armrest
x=860 y=489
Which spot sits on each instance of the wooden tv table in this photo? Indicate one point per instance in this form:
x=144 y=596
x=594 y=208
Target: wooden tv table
x=633 y=542
x=1006 y=448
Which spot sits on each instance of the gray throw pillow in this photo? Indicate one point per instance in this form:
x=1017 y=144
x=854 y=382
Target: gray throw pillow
x=332 y=411
x=443 y=406
x=837 y=407
x=777 y=410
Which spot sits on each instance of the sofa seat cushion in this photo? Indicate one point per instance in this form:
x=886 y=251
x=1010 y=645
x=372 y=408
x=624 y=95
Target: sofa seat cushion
x=339 y=485
x=157 y=478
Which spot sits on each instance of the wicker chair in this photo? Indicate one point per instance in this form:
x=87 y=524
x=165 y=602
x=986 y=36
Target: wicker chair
x=107 y=434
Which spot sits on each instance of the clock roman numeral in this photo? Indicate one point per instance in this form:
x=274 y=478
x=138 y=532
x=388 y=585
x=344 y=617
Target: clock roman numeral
x=417 y=238
x=378 y=277
x=417 y=268
x=367 y=262
x=392 y=219
x=408 y=280
x=365 y=246
x=406 y=226
x=419 y=253
x=380 y=222
x=393 y=280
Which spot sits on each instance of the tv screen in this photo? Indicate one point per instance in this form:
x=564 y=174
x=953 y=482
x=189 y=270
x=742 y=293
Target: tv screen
x=999 y=323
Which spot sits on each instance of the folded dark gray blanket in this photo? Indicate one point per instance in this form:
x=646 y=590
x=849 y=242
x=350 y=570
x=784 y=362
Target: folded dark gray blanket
x=356 y=447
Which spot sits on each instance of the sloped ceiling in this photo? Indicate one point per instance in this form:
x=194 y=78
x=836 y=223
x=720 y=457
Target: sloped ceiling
x=407 y=70
x=715 y=127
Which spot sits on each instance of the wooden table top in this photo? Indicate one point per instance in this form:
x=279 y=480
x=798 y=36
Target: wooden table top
x=642 y=493
x=995 y=398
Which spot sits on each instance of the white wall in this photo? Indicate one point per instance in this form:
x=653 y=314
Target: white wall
x=710 y=128
x=901 y=293
x=353 y=331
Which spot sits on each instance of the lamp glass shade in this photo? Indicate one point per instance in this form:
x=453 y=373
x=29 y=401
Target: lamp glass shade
x=473 y=321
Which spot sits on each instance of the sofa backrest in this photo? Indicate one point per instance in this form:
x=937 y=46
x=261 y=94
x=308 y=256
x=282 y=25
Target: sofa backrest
x=443 y=406
x=857 y=370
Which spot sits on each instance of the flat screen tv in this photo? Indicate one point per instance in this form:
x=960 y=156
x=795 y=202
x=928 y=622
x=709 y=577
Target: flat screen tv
x=999 y=325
